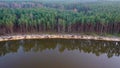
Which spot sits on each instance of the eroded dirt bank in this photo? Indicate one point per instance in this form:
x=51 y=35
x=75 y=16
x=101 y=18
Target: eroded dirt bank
x=55 y=36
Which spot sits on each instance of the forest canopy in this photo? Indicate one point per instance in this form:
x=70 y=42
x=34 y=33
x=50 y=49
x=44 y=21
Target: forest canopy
x=33 y=16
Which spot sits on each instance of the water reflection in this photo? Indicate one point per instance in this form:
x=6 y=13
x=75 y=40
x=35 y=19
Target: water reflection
x=87 y=46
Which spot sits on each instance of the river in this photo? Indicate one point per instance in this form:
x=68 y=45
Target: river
x=59 y=53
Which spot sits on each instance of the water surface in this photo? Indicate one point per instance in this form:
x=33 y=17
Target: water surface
x=59 y=53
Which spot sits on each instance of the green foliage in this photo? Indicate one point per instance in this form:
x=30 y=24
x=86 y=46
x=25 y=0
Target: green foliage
x=51 y=16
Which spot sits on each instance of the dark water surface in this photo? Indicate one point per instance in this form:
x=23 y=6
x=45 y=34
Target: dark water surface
x=59 y=53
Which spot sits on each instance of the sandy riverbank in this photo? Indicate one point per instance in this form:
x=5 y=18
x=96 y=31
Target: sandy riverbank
x=55 y=36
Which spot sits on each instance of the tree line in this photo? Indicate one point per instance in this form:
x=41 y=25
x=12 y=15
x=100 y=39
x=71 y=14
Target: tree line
x=99 y=18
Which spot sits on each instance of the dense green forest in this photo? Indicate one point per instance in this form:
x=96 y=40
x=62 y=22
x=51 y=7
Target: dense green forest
x=90 y=17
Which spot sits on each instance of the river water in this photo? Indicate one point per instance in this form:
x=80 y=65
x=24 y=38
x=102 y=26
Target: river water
x=59 y=53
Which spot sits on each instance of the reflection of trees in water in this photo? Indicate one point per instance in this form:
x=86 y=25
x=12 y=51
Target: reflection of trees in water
x=8 y=47
x=87 y=46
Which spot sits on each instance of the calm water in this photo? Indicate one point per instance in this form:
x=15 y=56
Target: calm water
x=59 y=53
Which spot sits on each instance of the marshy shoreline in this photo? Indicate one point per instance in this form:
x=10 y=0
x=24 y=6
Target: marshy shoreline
x=56 y=36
